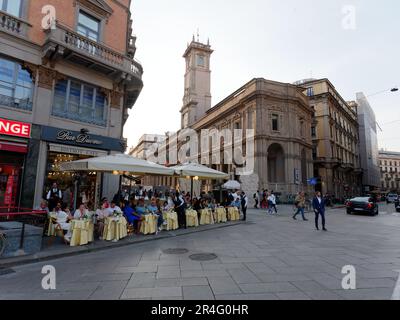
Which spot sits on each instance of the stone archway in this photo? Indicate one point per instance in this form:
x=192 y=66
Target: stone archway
x=276 y=164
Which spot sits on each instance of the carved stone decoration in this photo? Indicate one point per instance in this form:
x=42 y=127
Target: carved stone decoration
x=115 y=97
x=32 y=70
x=46 y=77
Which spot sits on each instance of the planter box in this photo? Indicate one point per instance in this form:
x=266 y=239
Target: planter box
x=32 y=239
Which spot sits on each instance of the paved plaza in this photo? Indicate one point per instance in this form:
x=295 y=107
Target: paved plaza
x=268 y=258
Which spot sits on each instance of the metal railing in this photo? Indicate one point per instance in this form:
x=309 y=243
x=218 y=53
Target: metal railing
x=13 y=24
x=97 y=51
x=25 y=216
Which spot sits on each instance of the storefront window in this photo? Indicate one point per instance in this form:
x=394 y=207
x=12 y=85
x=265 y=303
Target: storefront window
x=10 y=176
x=86 y=182
x=78 y=101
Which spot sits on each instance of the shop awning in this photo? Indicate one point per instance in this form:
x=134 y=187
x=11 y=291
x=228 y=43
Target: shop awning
x=117 y=164
x=13 y=147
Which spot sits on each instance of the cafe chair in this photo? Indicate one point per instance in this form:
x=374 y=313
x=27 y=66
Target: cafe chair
x=55 y=231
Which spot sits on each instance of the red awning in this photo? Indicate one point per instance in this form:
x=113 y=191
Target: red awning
x=13 y=147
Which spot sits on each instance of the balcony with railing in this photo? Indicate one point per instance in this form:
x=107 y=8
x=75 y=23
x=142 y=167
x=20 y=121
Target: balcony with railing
x=13 y=25
x=11 y=102
x=64 y=43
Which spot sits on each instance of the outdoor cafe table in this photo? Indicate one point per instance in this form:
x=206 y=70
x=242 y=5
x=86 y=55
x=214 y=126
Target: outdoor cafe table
x=233 y=214
x=192 y=219
x=149 y=224
x=172 y=220
x=206 y=217
x=220 y=215
x=115 y=228
x=82 y=232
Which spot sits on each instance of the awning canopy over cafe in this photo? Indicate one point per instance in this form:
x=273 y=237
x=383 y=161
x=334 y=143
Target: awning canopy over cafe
x=118 y=164
x=195 y=171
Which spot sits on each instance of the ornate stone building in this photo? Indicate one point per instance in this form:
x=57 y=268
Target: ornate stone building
x=278 y=113
x=390 y=171
x=335 y=135
x=70 y=75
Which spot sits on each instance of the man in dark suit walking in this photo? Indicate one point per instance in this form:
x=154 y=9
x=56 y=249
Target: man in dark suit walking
x=319 y=209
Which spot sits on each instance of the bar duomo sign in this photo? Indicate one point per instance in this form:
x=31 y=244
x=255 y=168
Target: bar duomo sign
x=81 y=138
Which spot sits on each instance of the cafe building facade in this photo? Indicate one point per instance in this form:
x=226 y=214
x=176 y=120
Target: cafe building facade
x=72 y=82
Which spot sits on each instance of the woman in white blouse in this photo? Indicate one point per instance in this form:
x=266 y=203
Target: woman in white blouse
x=81 y=212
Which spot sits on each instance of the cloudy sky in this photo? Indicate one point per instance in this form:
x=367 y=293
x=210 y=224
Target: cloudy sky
x=282 y=40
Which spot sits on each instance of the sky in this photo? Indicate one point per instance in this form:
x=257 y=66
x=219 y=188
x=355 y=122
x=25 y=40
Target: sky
x=353 y=43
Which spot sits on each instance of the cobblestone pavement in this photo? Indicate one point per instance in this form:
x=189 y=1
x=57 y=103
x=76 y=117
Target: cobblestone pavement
x=268 y=258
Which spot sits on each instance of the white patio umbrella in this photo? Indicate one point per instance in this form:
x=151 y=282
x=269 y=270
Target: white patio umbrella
x=117 y=163
x=231 y=185
x=196 y=171
x=199 y=171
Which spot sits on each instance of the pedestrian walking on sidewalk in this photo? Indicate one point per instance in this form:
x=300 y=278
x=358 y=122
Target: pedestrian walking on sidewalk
x=300 y=203
x=256 y=199
x=244 y=203
x=319 y=210
x=272 y=203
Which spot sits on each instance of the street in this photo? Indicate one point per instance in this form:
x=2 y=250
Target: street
x=268 y=258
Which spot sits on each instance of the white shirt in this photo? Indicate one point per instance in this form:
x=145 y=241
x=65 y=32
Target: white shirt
x=116 y=208
x=49 y=194
x=272 y=198
x=246 y=201
x=319 y=200
x=103 y=213
x=79 y=215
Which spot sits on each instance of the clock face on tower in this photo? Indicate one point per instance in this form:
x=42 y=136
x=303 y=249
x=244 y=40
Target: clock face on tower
x=200 y=61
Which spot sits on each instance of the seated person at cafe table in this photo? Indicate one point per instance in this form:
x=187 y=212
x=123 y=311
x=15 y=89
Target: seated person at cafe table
x=43 y=206
x=81 y=212
x=102 y=214
x=115 y=208
x=154 y=209
x=133 y=216
x=62 y=218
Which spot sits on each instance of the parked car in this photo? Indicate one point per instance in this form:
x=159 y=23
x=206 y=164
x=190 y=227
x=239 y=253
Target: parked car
x=392 y=198
x=362 y=205
x=397 y=205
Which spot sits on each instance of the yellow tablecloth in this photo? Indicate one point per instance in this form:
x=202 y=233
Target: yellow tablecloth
x=149 y=224
x=115 y=228
x=206 y=217
x=220 y=215
x=192 y=219
x=82 y=232
x=172 y=220
x=51 y=229
x=233 y=214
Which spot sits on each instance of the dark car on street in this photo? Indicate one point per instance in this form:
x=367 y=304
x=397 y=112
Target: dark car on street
x=362 y=205
x=397 y=205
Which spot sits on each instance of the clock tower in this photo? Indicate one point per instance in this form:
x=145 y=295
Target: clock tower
x=197 y=97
